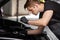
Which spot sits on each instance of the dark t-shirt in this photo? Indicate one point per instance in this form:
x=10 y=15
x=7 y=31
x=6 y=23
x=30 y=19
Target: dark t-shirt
x=54 y=23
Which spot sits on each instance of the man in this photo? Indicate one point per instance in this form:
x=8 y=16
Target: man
x=49 y=16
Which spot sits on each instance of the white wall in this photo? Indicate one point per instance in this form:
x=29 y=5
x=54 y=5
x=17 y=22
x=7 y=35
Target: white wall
x=11 y=7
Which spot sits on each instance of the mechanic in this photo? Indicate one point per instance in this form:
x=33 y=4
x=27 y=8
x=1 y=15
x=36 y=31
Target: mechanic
x=49 y=16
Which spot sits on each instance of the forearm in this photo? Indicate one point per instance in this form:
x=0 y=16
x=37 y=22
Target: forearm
x=36 y=31
x=34 y=22
x=39 y=22
x=44 y=20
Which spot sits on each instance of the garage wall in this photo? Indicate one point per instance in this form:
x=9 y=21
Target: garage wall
x=11 y=7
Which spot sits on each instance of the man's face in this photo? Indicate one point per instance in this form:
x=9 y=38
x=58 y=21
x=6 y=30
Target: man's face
x=33 y=9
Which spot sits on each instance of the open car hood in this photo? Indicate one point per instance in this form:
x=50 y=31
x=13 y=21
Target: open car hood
x=9 y=29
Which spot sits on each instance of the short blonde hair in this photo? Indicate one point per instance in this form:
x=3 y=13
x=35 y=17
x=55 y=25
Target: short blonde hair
x=31 y=3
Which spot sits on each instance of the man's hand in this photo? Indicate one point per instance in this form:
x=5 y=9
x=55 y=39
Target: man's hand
x=24 y=19
x=23 y=32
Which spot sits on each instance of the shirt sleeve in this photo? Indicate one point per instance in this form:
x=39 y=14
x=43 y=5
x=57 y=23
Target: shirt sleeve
x=49 y=6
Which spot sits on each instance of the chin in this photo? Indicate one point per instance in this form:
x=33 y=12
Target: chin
x=35 y=14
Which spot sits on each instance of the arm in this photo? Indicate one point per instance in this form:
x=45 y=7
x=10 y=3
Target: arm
x=41 y=23
x=36 y=31
x=3 y=2
x=44 y=20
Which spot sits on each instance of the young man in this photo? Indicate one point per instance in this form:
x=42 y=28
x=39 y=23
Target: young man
x=49 y=16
